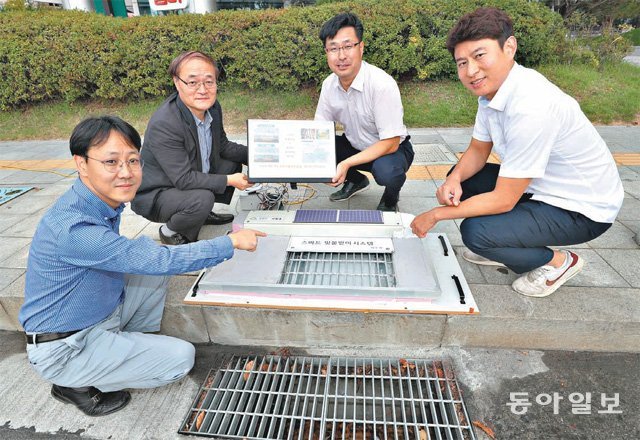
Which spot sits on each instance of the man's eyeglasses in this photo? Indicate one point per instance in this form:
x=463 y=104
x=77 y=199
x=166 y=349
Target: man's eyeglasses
x=335 y=50
x=195 y=85
x=113 y=165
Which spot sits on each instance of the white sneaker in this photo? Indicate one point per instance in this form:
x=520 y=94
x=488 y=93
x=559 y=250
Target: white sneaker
x=537 y=284
x=474 y=258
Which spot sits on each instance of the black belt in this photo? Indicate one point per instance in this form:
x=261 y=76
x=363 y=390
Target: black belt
x=48 y=337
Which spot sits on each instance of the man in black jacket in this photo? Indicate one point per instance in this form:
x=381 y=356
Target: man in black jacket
x=189 y=162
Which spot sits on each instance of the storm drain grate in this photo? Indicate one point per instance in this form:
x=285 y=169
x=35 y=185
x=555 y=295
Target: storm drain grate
x=7 y=194
x=431 y=154
x=339 y=269
x=274 y=397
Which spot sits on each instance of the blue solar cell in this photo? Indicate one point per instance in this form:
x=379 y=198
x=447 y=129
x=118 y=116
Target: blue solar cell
x=316 y=216
x=360 y=216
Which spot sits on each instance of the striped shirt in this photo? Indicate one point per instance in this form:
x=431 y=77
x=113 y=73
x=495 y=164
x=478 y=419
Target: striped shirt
x=204 y=139
x=78 y=260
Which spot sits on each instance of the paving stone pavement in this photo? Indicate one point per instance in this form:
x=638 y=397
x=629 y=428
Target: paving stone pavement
x=612 y=259
x=496 y=352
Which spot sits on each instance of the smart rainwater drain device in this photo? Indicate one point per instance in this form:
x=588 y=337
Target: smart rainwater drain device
x=339 y=260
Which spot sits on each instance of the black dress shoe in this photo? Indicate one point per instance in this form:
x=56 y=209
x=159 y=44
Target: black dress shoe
x=387 y=207
x=92 y=401
x=349 y=189
x=174 y=239
x=218 y=219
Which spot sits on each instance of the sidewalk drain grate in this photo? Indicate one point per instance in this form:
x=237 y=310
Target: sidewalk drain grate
x=433 y=154
x=7 y=194
x=353 y=269
x=318 y=398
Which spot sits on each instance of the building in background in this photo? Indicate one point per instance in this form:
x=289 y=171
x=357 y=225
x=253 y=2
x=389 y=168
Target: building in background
x=124 y=8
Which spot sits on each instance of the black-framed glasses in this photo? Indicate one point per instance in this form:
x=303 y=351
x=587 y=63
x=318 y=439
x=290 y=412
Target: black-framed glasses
x=114 y=165
x=195 y=85
x=335 y=50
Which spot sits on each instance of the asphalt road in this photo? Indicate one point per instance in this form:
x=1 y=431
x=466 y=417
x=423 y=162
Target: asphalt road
x=487 y=377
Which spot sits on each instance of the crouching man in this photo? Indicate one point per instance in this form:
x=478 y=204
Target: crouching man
x=92 y=295
x=557 y=184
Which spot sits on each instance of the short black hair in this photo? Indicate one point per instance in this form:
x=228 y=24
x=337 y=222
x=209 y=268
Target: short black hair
x=346 y=19
x=95 y=131
x=482 y=23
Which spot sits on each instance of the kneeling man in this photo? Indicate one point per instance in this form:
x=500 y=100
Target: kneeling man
x=190 y=163
x=91 y=295
x=366 y=101
x=557 y=184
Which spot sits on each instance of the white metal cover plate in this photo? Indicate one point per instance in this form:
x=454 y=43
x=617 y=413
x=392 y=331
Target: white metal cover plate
x=453 y=297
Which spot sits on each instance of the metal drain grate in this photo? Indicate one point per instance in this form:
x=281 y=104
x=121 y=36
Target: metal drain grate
x=339 y=269
x=273 y=397
x=7 y=194
x=430 y=154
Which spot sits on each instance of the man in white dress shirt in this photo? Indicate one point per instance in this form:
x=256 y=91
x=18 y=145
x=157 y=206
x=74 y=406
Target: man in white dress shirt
x=557 y=183
x=366 y=102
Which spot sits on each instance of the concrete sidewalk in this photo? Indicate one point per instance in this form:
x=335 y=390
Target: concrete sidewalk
x=634 y=56
x=598 y=310
x=603 y=300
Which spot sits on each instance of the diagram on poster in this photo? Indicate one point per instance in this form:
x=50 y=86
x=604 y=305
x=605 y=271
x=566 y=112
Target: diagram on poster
x=291 y=150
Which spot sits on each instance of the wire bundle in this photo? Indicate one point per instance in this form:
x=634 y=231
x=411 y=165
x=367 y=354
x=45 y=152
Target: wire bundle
x=272 y=196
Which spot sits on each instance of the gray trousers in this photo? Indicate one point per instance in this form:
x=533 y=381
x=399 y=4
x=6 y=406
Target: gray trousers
x=185 y=211
x=114 y=354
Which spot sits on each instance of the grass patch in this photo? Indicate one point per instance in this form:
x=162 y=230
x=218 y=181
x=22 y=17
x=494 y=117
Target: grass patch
x=238 y=105
x=443 y=103
x=56 y=120
x=633 y=36
x=610 y=95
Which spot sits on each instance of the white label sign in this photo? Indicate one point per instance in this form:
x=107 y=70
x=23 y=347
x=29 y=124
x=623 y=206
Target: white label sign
x=340 y=244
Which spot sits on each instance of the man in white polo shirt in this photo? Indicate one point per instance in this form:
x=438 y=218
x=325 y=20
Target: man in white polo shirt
x=557 y=184
x=366 y=101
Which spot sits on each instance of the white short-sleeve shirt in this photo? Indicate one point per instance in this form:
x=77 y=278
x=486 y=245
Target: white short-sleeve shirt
x=371 y=110
x=540 y=132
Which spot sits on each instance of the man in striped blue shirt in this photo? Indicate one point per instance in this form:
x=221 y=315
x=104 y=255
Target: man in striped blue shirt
x=92 y=295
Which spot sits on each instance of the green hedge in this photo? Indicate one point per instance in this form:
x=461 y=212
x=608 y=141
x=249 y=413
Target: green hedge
x=49 y=54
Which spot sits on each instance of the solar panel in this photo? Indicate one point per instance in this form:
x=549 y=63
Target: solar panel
x=338 y=216
x=360 y=216
x=316 y=216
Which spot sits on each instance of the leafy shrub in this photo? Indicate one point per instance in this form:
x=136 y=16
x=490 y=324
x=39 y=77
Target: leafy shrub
x=610 y=46
x=591 y=43
x=14 y=5
x=71 y=55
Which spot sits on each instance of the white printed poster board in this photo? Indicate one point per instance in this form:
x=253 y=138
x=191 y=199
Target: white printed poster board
x=291 y=150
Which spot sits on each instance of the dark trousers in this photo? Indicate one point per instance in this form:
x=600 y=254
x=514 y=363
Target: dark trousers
x=185 y=211
x=519 y=238
x=389 y=170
